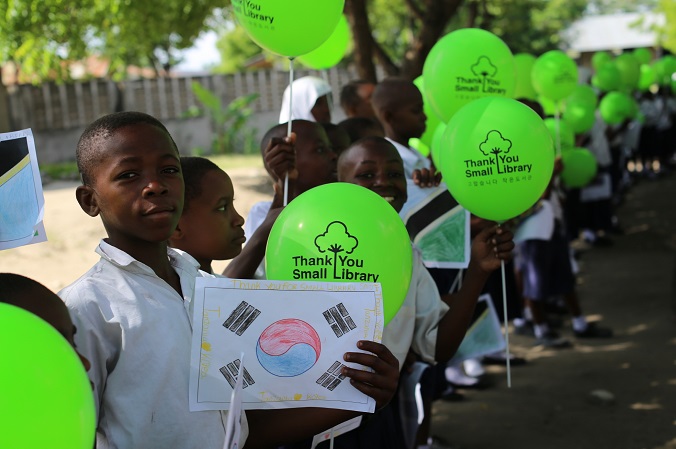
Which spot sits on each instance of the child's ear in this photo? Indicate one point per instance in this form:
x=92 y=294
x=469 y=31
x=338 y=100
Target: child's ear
x=86 y=198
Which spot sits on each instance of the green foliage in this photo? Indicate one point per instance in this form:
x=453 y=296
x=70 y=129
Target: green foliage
x=236 y=48
x=668 y=32
x=63 y=171
x=229 y=123
x=43 y=36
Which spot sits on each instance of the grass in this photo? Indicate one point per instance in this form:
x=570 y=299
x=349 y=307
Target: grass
x=67 y=171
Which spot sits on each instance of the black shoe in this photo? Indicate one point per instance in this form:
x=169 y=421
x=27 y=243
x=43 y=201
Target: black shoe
x=594 y=331
x=602 y=242
x=451 y=394
x=525 y=329
x=552 y=340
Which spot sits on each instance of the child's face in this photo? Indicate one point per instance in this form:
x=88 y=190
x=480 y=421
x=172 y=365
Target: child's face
x=364 y=107
x=211 y=229
x=408 y=120
x=379 y=168
x=315 y=159
x=46 y=305
x=137 y=187
x=321 y=111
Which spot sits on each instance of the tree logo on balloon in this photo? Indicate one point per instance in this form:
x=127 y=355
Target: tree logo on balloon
x=483 y=68
x=496 y=148
x=483 y=81
x=336 y=239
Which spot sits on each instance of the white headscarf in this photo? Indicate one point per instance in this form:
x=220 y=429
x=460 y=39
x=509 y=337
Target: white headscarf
x=306 y=91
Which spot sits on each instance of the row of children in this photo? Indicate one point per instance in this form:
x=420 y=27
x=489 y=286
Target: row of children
x=542 y=271
x=133 y=308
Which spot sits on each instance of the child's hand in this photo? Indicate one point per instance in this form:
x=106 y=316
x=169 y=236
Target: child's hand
x=426 y=177
x=490 y=246
x=381 y=384
x=280 y=157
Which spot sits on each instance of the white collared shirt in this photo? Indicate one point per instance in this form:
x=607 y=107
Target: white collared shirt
x=412 y=158
x=416 y=323
x=136 y=330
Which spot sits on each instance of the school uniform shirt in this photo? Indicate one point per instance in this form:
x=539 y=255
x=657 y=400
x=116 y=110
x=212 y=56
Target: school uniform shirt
x=416 y=323
x=412 y=158
x=136 y=330
x=255 y=218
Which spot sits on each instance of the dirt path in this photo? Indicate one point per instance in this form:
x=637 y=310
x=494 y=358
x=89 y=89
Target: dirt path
x=631 y=287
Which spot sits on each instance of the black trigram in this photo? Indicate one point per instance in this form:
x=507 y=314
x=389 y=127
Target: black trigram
x=339 y=320
x=332 y=377
x=230 y=371
x=241 y=318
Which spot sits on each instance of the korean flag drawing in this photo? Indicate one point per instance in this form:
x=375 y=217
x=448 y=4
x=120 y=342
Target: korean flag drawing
x=296 y=334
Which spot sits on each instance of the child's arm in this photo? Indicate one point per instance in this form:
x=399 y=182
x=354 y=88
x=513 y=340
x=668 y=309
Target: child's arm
x=245 y=264
x=489 y=247
x=280 y=160
x=269 y=428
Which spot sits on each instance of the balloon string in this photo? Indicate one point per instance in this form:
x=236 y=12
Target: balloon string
x=504 y=311
x=325 y=77
x=289 y=127
x=558 y=129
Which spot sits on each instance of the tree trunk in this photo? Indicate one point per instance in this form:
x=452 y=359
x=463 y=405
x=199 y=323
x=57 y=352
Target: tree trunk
x=436 y=15
x=363 y=39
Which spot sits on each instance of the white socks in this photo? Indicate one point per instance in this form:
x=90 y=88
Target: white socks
x=579 y=323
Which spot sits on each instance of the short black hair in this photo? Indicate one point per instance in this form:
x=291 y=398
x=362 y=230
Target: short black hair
x=87 y=152
x=349 y=97
x=14 y=287
x=386 y=95
x=358 y=127
x=194 y=169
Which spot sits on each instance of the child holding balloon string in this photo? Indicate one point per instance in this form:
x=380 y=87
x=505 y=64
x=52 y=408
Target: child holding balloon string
x=133 y=307
x=440 y=322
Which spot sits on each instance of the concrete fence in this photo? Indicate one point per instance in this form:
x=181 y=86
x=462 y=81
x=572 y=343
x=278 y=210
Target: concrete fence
x=58 y=113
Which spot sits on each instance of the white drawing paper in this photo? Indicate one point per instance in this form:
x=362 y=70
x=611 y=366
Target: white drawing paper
x=294 y=336
x=21 y=199
x=233 y=424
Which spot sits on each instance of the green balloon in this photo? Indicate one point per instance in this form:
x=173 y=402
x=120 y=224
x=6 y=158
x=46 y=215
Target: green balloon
x=554 y=75
x=288 y=27
x=643 y=55
x=432 y=119
x=498 y=158
x=579 y=114
x=465 y=65
x=616 y=107
x=665 y=67
x=550 y=107
x=45 y=395
x=524 y=86
x=420 y=146
x=332 y=50
x=579 y=167
x=607 y=78
x=600 y=58
x=566 y=135
x=647 y=78
x=583 y=93
x=630 y=70
x=437 y=143
x=342 y=232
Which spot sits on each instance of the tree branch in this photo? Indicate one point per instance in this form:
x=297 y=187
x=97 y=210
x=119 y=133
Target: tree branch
x=390 y=67
x=415 y=9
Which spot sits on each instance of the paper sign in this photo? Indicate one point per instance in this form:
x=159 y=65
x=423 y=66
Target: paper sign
x=233 y=425
x=484 y=335
x=294 y=334
x=336 y=431
x=438 y=226
x=539 y=226
x=21 y=200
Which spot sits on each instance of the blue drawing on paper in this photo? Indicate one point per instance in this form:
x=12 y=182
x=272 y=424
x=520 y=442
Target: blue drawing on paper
x=288 y=347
